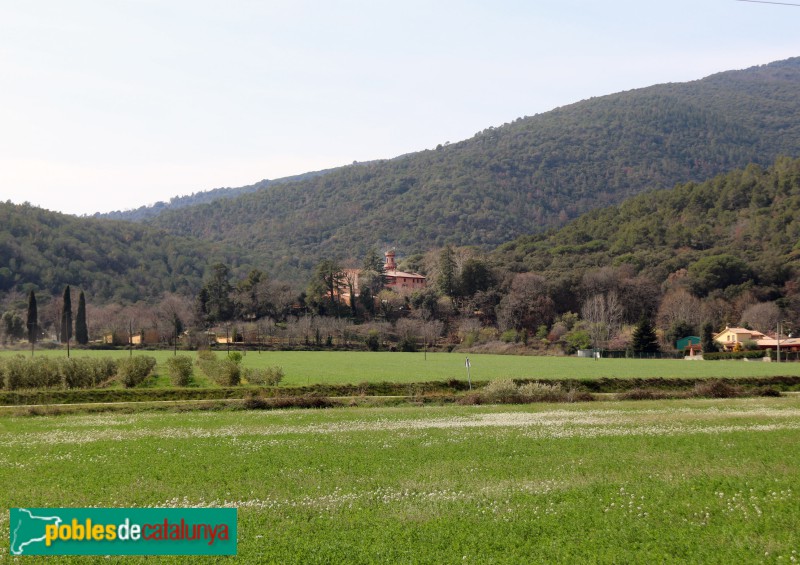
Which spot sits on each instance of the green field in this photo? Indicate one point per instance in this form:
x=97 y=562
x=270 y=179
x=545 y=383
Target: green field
x=645 y=482
x=338 y=367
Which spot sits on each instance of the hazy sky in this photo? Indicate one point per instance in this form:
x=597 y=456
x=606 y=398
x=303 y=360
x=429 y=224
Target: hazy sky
x=113 y=104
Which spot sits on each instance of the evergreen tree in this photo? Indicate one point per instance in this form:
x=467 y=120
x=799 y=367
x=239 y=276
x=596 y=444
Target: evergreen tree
x=446 y=281
x=81 y=328
x=33 y=318
x=644 y=337
x=475 y=277
x=707 y=339
x=13 y=326
x=327 y=283
x=215 y=303
x=371 y=280
x=66 y=316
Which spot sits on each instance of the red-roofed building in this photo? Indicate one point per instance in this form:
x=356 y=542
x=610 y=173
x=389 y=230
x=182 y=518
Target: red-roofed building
x=399 y=281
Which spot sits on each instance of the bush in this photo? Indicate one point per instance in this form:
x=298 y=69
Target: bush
x=373 y=341
x=85 y=372
x=767 y=391
x=41 y=372
x=508 y=392
x=470 y=399
x=717 y=389
x=235 y=356
x=104 y=368
x=501 y=391
x=542 y=392
x=227 y=373
x=180 y=370
x=206 y=355
x=134 y=370
x=271 y=376
x=509 y=336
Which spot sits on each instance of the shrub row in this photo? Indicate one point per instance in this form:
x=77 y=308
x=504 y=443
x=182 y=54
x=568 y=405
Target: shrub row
x=271 y=376
x=733 y=355
x=260 y=402
x=228 y=371
x=224 y=372
x=713 y=388
x=19 y=372
x=508 y=392
x=180 y=369
x=134 y=370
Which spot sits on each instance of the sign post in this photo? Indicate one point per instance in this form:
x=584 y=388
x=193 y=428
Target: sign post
x=469 y=379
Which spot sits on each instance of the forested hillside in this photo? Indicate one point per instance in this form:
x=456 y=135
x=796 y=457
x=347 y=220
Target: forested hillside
x=524 y=177
x=203 y=197
x=738 y=231
x=111 y=260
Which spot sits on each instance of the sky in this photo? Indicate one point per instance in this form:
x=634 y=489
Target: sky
x=114 y=104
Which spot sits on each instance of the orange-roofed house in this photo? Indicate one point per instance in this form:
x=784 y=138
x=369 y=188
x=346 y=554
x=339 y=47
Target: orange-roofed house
x=399 y=281
x=728 y=338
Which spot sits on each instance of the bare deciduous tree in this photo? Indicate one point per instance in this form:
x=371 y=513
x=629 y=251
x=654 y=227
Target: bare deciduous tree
x=603 y=314
x=679 y=305
x=763 y=316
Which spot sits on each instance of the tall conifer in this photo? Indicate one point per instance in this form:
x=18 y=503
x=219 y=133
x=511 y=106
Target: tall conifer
x=644 y=337
x=66 y=316
x=33 y=318
x=81 y=328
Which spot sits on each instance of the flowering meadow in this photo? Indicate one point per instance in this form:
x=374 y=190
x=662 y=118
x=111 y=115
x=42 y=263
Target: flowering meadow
x=696 y=481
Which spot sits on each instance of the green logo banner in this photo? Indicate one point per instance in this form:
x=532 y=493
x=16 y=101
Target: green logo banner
x=122 y=531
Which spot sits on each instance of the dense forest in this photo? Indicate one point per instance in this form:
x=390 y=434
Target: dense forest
x=749 y=214
x=521 y=178
x=111 y=260
x=203 y=197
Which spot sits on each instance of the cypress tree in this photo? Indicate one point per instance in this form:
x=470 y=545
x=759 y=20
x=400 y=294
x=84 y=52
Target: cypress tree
x=33 y=318
x=66 y=316
x=707 y=342
x=447 y=272
x=81 y=329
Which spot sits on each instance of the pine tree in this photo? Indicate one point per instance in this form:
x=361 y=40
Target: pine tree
x=644 y=337
x=371 y=280
x=66 y=316
x=81 y=328
x=33 y=318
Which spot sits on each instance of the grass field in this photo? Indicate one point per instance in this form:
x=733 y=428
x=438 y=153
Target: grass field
x=336 y=367
x=646 y=482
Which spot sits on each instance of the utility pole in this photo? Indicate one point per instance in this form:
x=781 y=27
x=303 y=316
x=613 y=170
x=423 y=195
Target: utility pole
x=778 y=340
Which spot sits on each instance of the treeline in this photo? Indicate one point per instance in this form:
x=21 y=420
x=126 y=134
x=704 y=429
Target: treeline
x=636 y=277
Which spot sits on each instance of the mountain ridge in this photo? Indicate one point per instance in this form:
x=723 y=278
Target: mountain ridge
x=523 y=177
